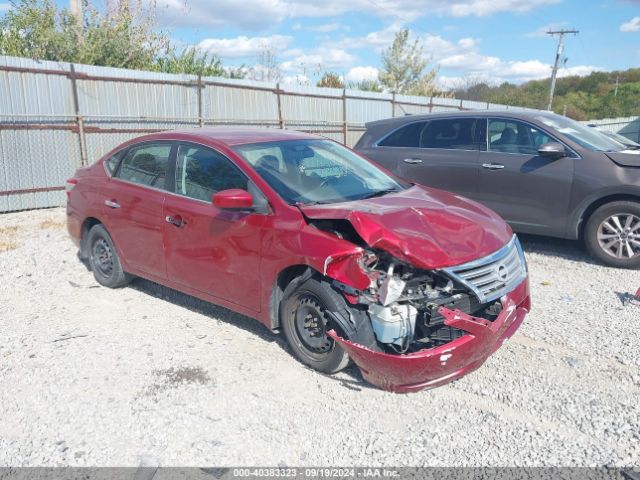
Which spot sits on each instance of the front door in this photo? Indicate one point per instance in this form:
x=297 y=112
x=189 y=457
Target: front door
x=133 y=203
x=214 y=251
x=529 y=191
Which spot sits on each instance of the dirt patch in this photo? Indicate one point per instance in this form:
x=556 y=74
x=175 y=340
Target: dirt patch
x=50 y=223
x=176 y=377
x=184 y=375
x=8 y=238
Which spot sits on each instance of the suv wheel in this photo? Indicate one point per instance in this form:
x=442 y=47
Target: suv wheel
x=612 y=234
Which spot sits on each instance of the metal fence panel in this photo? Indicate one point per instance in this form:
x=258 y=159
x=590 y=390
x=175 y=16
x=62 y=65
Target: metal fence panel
x=46 y=131
x=34 y=159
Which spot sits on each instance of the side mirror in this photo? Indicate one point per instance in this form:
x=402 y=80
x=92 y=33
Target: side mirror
x=552 y=150
x=232 y=199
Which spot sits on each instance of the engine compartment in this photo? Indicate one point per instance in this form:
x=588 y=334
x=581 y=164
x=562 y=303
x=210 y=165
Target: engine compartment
x=402 y=301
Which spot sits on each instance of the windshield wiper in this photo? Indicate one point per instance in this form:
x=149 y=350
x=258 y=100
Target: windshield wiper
x=380 y=193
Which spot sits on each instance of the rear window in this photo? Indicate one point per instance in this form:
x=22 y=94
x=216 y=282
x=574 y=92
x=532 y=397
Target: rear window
x=406 y=136
x=452 y=134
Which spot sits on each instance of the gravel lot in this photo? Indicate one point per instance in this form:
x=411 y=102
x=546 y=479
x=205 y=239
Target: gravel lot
x=92 y=376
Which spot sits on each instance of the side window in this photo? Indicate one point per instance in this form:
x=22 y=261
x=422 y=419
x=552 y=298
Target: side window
x=201 y=172
x=407 y=136
x=112 y=162
x=146 y=165
x=453 y=134
x=512 y=136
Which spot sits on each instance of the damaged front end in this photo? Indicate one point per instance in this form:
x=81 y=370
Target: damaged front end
x=431 y=326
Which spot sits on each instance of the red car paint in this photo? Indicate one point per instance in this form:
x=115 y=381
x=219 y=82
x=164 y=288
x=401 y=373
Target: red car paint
x=234 y=258
x=437 y=366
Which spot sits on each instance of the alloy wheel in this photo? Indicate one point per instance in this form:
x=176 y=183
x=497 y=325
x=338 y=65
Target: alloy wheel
x=619 y=235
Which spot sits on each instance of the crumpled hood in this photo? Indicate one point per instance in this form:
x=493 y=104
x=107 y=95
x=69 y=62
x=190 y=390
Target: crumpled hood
x=625 y=159
x=425 y=227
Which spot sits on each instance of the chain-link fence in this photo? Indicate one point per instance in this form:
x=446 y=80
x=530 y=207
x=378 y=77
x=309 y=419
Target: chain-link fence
x=56 y=117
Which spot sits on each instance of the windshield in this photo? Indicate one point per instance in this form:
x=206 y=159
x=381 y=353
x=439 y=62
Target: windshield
x=316 y=171
x=585 y=136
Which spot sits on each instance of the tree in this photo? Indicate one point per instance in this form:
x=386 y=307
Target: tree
x=193 y=61
x=330 y=80
x=267 y=68
x=366 y=85
x=403 y=66
x=124 y=36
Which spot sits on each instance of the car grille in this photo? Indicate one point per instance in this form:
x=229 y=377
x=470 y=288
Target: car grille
x=493 y=276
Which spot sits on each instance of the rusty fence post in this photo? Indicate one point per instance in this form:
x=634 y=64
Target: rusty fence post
x=345 y=128
x=280 y=114
x=200 y=88
x=393 y=104
x=79 y=119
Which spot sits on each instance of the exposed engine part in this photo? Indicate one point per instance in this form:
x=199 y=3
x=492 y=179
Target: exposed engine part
x=391 y=288
x=402 y=301
x=395 y=324
x=403 y=304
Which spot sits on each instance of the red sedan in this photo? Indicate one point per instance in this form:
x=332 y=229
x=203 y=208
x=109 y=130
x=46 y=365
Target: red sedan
x=417 y=286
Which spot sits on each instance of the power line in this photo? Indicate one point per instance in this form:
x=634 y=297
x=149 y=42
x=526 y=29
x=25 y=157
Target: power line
x=559 y=52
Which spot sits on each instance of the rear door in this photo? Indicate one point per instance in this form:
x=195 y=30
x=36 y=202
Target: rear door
x=214 y=251
x=441 y=153
x=529 y=191
x=133 y=202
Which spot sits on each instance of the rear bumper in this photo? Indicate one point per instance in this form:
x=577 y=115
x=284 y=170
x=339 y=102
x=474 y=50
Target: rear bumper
x=436 y=366
x=74 y=226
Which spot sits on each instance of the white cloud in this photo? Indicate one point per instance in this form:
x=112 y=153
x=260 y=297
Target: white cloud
x=542 y=31
x=481 y=8
x=4 y=7
x=242 y=46
x=324 y=28
x=319 y=59
x=632 y=25
x=264 y=14
x=248 y=14
x=358 y=74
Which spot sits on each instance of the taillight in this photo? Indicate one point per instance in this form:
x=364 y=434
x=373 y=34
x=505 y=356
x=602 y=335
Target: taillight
x=70 y=185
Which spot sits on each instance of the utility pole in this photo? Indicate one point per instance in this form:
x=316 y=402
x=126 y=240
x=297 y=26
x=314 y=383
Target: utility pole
x=561 y=34
x=76 y=9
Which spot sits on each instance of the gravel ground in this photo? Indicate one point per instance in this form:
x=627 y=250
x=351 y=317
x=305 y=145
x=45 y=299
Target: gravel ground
x=92 y=376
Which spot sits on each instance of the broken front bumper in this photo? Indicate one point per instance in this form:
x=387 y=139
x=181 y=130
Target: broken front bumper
x=436 y=366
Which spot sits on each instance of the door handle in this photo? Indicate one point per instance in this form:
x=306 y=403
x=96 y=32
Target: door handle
x=112 y=204
x=412 y=160
x=176 y=221
x=493 y=166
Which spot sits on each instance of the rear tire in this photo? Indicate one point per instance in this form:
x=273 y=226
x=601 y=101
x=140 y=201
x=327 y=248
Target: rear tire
x=103 y=259
x=305 y=321
x=612 y=234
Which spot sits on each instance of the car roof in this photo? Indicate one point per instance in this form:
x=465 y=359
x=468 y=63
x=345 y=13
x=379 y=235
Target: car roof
x=514 y=113
x=230 y=136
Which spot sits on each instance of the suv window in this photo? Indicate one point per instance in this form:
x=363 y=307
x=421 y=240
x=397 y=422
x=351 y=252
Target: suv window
x=512 y=136
x=453 y=134
x=201 y=172
x=146 y=165
x=407 y=136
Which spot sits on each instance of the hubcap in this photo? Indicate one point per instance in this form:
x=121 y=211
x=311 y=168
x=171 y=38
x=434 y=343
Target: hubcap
x=619 y=235
x=311 y=325
x=103 y=257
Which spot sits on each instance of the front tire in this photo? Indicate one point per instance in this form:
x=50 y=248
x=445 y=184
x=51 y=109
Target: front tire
x=612 y=234
x=306 y=319
x=104 y=260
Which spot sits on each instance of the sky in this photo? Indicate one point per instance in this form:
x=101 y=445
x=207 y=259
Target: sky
x=497 y=40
